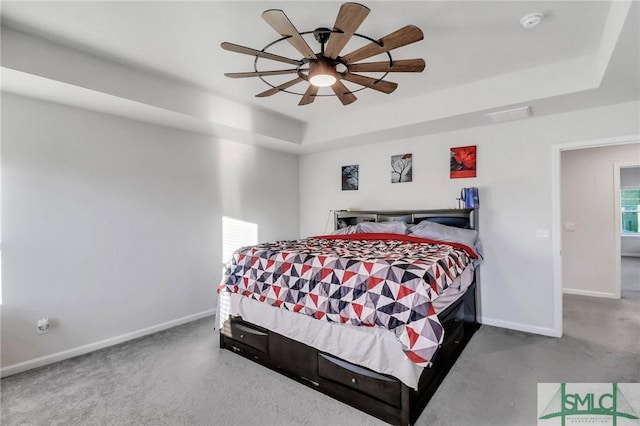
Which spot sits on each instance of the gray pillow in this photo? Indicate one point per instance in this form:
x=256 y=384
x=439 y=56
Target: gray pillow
x=351 y=229
x=382 y=227
x=450 y=234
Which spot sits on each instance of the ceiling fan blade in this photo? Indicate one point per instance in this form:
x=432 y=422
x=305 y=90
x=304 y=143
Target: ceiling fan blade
x=405 y=35
x=259 y=53
x=276 y=89
x=349 y=18
x=259 y=73
x=372 y=83
x=279 y=21
x=402 y=65
x=309 y=96
x=345 y=96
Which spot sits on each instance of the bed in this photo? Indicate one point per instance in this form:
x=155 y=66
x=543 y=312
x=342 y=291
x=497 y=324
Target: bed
x=374 y=315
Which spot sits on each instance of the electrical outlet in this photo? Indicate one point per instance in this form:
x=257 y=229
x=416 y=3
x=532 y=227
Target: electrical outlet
x=43 y=326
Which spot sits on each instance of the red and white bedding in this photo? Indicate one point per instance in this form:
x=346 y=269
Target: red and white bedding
x=383 y=280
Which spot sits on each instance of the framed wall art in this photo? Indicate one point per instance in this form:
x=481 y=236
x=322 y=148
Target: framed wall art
x=462 y=162
x=401 y=168
x=350 y=178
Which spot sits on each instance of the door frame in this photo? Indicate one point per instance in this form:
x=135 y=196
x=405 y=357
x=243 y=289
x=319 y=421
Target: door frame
x=556 y=203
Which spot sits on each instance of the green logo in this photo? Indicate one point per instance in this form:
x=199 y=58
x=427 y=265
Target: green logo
x=566 y=404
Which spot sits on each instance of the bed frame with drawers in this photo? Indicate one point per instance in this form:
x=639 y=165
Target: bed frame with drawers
x=382 y=396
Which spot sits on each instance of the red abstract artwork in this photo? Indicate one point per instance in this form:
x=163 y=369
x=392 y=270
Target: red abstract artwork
x=463 y=162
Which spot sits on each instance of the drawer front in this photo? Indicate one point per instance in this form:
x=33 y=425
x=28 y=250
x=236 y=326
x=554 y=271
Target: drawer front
x=454 y=320
x=247 y=351
x=453 y=336
x=248 y=335
x=381 y=387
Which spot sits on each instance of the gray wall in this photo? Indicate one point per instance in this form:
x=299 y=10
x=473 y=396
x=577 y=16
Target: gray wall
x=515 y=183
x=111 y=226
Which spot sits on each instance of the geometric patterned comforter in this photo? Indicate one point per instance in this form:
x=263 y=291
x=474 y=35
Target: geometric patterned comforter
x=383 y=280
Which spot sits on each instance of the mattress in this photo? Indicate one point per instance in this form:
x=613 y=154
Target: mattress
x=373 y=347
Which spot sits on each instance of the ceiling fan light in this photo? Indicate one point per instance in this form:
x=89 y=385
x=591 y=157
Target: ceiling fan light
x=322 y=80
x=322 y=74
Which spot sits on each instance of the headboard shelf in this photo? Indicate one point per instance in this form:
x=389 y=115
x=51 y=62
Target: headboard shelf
x=464 y=218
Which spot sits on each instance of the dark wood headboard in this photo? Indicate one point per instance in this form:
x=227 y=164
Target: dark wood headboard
x=460 y=218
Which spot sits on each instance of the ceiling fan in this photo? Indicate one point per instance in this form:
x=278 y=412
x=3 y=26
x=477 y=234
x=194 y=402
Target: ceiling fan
x=328 y=68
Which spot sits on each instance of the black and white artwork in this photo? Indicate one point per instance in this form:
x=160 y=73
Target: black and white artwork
x=401 y=168
x=350 y=178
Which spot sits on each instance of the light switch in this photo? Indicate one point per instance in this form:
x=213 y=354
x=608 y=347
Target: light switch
x=569 y=226
x=543 y=234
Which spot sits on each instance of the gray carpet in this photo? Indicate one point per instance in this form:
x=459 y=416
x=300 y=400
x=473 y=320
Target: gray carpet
x=180 y=377
x=630 y=273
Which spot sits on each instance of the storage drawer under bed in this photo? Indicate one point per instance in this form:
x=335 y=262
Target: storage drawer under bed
x=247 y=334
x=384 y=388
x=454 y=330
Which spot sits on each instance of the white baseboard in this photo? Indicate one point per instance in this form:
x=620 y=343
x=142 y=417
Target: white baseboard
x=589 y=293
x=81 y=350
x=544 y=331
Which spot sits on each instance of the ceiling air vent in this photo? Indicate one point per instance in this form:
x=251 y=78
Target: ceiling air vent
x=510 y=114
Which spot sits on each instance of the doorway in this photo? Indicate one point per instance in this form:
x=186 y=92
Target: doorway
x=560 y=227
x=627 y=187
x=590 y=229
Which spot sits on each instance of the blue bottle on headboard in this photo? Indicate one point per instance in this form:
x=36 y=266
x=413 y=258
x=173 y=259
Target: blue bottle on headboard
x=469 y=197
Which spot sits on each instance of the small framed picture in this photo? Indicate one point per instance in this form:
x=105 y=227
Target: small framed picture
x=401 y=168
x=350 y=178
x=462 y=162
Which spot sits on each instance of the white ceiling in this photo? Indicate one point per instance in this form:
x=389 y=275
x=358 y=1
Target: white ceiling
x=466 y=45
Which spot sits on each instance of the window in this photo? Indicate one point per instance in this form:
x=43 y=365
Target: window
x=235 y=234
x=629 y=207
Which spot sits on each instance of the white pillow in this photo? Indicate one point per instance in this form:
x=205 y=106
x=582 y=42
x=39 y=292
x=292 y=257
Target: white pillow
x=450 y=234
x=392 y=227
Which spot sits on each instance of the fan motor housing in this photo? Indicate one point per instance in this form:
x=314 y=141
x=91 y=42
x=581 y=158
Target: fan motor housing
x=322 y=35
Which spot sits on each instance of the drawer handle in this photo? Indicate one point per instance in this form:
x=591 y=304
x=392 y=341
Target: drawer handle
x=242 y=336
x=353 y=380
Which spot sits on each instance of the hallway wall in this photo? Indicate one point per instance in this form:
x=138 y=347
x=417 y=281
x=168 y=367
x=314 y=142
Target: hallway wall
x=588 y=218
